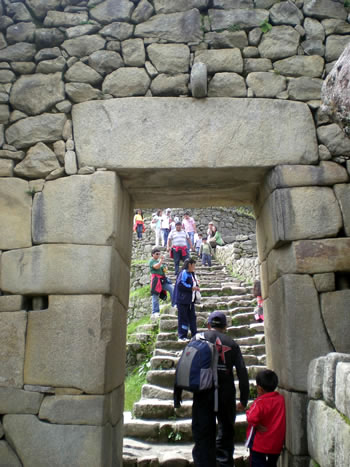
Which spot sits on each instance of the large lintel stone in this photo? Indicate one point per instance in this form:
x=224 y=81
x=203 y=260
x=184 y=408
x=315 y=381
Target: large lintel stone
x=78 y=209
x=297 y=213
x=65 y=269
x=41 y=444
x=336 y=315
x=216 y=132
x=15 y=214
x=310 y=257
x=78 y=342
x=12 y=342
x=293 y=319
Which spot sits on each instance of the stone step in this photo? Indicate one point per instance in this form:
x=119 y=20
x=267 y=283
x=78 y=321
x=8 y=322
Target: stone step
x=243 y=318
x=251 y=340
x=161 y=409
x=147 y=328
x=140 y=337
x=223 y=291
x=169 y=453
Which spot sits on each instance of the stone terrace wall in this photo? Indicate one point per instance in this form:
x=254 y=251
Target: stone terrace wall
x=55 y=53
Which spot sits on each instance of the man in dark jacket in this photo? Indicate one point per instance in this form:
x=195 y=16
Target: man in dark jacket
x=207 y=453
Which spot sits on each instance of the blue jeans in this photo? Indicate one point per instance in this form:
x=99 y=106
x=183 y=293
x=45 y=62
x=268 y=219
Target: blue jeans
x=191 y=235
x=155 y=297
x=139 y=229
x=165 y=233
x=206 y=259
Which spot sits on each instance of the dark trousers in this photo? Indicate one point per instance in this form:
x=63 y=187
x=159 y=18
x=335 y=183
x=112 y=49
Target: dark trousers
x=260 y=459
x=207 y=452
x=186 y=319
x=177 y=255
x=139 y=229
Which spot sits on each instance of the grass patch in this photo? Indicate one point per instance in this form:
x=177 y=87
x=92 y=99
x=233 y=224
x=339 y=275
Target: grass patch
x=142 y=292
x=245 y=211
x=139 y=261
x=134 y=324
x=133 y=386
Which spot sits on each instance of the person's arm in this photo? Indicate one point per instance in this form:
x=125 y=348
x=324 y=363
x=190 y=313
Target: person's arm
x=189 y=241
x=183 y=281
x=159 y=264
x=194 y=226
x=168 y=245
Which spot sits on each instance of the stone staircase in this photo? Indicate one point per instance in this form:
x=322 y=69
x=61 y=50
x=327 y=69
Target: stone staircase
x=156 y=433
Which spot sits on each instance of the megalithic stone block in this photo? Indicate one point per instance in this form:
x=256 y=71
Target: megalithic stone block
x=292 y=320
x=78 y=342
x=295 y=214
x=336 y=316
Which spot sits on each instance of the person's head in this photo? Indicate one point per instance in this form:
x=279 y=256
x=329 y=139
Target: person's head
x=155 y=253
x=178 y=226
x=217 y=320
x=211 y=226
x=200 y=236
x=176 y=219
x=189 y=264
x=266 y=381
x=204 y=239
x=159 y=212
x=186 y=215
x=168 y=212
x=139 y=211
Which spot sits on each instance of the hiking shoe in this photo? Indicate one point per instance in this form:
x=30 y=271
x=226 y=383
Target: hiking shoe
x=183 y=339
x=155 y=315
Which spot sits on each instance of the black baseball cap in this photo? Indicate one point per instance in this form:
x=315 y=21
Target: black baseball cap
x=217 y=319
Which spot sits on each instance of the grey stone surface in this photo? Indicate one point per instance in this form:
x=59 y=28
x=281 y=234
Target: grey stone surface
x=313 y=47
x=296 y=420
x=112 y=10
x=324 y=9
x=20 y=32
x=7 y=456
x=84 y=45
x=227 y=85
x=315 y=378
x=25 y=68
x=142 y=12
x=300 y=65
x=133 y=51
x=61 y=18
x=166 y=6
x=169 y=58
x=335 y=45
x=314 y=29
x=82 y=73
x=38 y=163
x=342 y=192
x=57 y=173
x=37 y=442
x=126 y=82
x=309 y=257
x=329 y=375
x=117 y=30
x=199 y=80
x=266 y=84
x=228 y=4
x=221 y=60
x=20 y=52
x=11 y=303
x=81 y=30
x=325 y=282
x=4 y=113
x=170 y=85
x=64 y=213
x=173 y=27
x=75 y=410
x=257 y=64
x=70 y=163
x=223 y=19
x=334 y=139
x=342 y=444
x=280 y=42
x=335 y=26
x=212 y=124
x=342 y=388
x=51 y=66
x=48 y=37
x=286 y=13
x=14 y=400
x=335 y=312
x=12 y=343
x=18 y=11
x=47 y=54
x=41 y=7
x=305 y=89
x=15 y=214
x=282 y=219
x=226 y=39
x=291 y=321
x=90 y=326
x=46 y=127
x=81 y=92
x=322 y=421
x=34 y=270
x=6 y=168
x=105 y=61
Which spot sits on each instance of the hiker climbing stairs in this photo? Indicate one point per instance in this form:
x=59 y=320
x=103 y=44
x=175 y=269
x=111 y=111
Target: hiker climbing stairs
x=156 y=433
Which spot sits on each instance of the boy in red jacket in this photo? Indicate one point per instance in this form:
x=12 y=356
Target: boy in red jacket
x=266 y=422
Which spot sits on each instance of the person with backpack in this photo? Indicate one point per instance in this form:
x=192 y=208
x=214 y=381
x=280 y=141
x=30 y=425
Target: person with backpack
x=185 y=292
x=210 y=449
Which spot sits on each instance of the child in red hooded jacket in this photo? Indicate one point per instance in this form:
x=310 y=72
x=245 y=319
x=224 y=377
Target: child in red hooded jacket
x=266 y=422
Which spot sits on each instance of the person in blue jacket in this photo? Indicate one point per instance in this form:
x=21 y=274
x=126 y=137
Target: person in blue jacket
x=184 y=297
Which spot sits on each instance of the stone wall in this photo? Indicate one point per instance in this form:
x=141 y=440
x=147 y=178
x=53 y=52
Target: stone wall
x=65 y=221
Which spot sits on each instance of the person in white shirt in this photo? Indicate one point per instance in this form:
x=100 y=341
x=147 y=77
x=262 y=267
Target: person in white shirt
x=165 y=226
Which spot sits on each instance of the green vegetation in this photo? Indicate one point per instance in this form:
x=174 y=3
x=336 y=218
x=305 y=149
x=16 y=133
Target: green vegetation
x=142 y=292
x=245 y=211
x=265 y=26
x=133 y=385
x=347 y=3
x=238 y=276
x=134 y=324
x=139 y=261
